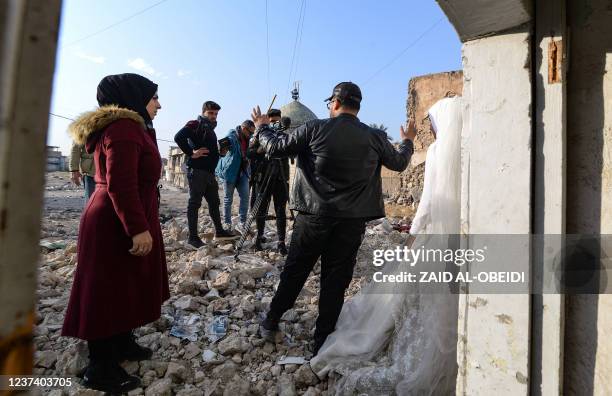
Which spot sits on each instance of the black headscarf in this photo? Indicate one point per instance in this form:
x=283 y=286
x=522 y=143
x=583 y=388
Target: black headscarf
x=130 y=91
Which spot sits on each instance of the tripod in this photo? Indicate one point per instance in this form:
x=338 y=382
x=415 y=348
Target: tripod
x=273 y=169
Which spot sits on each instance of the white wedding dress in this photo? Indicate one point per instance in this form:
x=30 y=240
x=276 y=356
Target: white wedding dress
x=403 y=341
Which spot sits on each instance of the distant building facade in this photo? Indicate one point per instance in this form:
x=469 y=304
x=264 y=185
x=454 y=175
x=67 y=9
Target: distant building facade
x=56 y=162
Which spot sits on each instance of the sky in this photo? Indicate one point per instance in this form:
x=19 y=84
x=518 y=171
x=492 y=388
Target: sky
x=198 y=50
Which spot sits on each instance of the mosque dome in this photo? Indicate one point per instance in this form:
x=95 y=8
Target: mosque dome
x=298 y=113
x=295 y=110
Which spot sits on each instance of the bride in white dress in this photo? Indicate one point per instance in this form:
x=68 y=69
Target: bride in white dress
x=401 y=339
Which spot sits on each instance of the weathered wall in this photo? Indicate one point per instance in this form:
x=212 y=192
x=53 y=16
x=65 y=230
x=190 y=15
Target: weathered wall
x=588 y=350
x=549 y=193
x=423 y=92
x=493 y=350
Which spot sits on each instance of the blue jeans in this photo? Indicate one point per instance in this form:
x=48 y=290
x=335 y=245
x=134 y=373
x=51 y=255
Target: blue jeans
x=90 y=186
x=243 y=191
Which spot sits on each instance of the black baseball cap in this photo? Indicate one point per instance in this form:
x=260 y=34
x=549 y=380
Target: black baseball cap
x=346 y=90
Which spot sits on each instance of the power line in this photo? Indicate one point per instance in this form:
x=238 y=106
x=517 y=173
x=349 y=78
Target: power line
x=61 y=116
x=412 y=44
x=116 y=23
x=299 y=46
x=295 y=44
x=72 y=119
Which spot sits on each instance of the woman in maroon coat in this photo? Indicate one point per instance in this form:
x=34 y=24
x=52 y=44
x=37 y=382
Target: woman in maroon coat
x=121 y=279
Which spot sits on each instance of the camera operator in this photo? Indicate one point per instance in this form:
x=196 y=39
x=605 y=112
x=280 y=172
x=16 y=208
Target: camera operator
x=338 y=188
x=277 y=191
x=197 y=139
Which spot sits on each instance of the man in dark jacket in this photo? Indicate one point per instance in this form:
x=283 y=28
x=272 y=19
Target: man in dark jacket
x=337 y=189
x=278 y=191
x=198 y=141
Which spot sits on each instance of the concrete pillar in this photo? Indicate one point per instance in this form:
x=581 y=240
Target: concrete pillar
x=493 y=350
x=551 y=43
x=29 y=30
x=587 y=348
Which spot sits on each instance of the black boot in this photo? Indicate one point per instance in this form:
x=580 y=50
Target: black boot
x=128 y=348
x=281 y=248
x=261 y=227
x=268 y=328
x=258 y=244
x=281 y=227
x=192 y=224
x=109 y=376
x=104 y=372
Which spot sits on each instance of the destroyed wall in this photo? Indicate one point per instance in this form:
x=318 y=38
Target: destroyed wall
x=423 y=92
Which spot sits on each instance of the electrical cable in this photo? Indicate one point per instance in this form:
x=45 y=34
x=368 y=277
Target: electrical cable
x=114 y=24
x=72 y=119
x=299 y=46
x=395 y=58
x=295 y=44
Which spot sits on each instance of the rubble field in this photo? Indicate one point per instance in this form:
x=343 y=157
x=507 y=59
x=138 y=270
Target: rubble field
x=206 y=342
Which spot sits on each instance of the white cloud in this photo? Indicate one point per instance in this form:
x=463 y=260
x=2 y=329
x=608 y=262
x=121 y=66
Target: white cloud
x=183 y=73
x=141 y=65
x=91 y=58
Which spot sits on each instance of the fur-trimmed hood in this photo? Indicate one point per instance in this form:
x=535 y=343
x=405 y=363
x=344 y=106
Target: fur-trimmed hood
x=93 y=121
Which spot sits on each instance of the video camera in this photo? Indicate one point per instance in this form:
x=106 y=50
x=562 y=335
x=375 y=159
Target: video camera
x=224 y=143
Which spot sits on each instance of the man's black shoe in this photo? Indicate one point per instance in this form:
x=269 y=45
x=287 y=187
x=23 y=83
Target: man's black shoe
x=225 y=236
x=268 y=329
x=258 y=244
x=195 y=242
x=128 y=349
x=109 y=376
x=282 y=249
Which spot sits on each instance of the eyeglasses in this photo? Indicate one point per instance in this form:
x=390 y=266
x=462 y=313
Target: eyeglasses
x=330 y=103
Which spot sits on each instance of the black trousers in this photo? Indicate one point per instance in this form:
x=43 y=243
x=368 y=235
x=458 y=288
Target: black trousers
x=202 y=184
x=336 y=241
x=279 y=193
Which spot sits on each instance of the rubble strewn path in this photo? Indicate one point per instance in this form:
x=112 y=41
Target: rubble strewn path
x=206 y=341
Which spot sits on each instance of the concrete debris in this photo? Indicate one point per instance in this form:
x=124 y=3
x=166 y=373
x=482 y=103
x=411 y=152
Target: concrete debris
x=292 y=360
x=206 y=341
x=161 y=387
x=285 y=386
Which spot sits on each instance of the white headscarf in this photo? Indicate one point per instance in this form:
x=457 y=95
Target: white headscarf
x=440 y=201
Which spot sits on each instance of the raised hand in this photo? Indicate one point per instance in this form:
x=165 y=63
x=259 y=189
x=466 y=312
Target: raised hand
x=258 y=118
x=409 y=133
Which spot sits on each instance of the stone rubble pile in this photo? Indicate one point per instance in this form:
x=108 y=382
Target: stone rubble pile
x=206 y=341
x=411 y=187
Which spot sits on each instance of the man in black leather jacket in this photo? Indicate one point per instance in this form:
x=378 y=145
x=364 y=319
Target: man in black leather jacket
x=337 y=189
